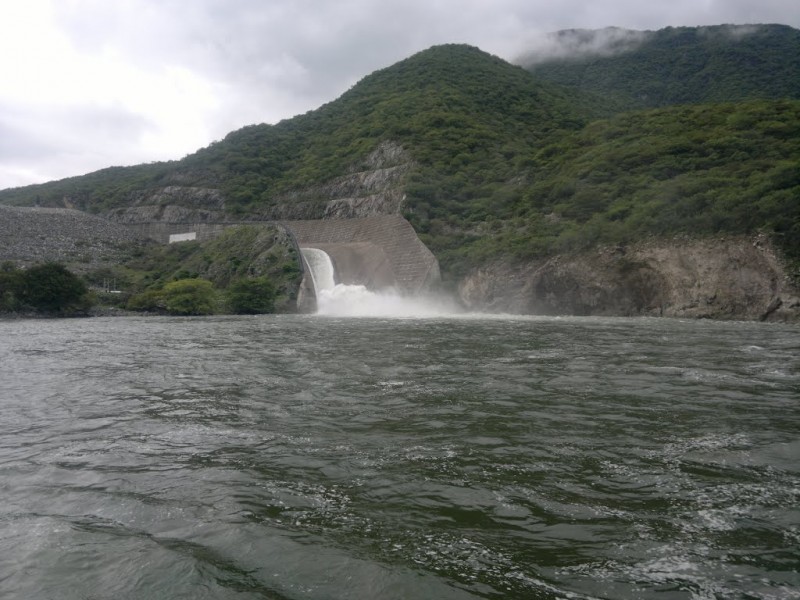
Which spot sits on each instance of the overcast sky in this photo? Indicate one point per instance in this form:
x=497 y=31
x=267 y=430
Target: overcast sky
x=86 y=84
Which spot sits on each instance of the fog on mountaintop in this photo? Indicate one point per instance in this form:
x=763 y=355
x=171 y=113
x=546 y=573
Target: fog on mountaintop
x=576 y=43
x=609 y=41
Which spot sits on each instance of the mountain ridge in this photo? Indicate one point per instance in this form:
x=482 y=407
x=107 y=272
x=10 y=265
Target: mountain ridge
x=675 y=65
x=490 y=163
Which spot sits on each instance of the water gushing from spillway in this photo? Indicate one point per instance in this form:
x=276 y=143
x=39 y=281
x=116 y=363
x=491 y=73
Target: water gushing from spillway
x=320 y=267
x=348 y=300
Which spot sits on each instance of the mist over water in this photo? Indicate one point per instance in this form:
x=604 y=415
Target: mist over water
x=313 y=457
x=345 y=300
x=357 y=301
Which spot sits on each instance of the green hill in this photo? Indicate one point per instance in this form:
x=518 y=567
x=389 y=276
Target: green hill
x=505 y=164
x=454 y=107
x=676 y=65
x=696 y=170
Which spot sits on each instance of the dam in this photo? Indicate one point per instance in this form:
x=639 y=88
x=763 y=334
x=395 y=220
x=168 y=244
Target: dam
x=378 y=252
x=381 y=252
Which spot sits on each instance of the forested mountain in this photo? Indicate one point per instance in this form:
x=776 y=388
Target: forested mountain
x=676 y=65
x=455 y=108
x=507 y=164
x=694 y=169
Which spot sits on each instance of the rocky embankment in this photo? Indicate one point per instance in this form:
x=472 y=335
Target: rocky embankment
x=717 y=278
x=37 y=235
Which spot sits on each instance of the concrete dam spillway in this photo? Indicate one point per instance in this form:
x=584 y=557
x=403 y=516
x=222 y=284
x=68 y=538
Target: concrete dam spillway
x=378 y=253
x=355 y=300
x=320 y=268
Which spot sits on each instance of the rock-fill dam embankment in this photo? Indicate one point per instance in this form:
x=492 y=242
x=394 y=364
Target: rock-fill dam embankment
x=37 y=235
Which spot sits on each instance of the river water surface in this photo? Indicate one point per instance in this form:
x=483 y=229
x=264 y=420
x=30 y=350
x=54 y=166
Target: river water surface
x=289 y=457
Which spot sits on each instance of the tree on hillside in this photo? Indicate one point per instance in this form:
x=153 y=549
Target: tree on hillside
x=51 y=288
x=189 y=297
x=252 y=296
x=147 y=301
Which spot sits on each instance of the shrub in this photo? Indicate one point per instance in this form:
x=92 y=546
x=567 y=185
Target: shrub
x=10 y=285
x=51 y=288
x=251 y=296
x=189 y=297
x=148 y=301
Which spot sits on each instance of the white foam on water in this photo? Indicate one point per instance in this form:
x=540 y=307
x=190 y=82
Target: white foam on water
x=357 y=301
x=342 y=300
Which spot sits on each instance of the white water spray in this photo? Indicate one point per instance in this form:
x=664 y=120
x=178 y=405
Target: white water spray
x=342 y=300
x=321 y=268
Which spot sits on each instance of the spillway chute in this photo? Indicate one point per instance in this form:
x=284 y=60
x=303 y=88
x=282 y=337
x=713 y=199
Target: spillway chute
x=356 y=300
x=320 y=268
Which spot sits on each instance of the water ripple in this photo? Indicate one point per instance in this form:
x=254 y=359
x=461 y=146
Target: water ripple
x=300 y=457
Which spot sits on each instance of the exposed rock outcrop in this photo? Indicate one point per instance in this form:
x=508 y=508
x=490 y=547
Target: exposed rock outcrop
x=173 y=203
x=720 y=278
x=187 y=196
x=166 y=213
x=374 y=186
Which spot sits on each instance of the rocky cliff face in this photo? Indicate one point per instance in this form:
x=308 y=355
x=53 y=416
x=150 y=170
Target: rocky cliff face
x=372 y=187
x=721 y=278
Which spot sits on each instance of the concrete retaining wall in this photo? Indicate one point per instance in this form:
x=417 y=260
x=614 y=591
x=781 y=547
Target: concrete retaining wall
x=162 y=231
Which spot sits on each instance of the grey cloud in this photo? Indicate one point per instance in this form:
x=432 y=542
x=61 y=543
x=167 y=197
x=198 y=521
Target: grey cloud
x=55 y=144
x=18 y=144
x=270 y=59
x=307 y=52
x=785 y=12
x=108 y=123
x=581 y=42
x=42 y=132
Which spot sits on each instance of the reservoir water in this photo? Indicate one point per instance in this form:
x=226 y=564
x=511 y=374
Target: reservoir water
x=312 y=457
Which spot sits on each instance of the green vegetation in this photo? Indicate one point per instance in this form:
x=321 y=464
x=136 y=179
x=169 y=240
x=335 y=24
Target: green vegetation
x=194 y=296
x=697 y=170
x=147 y=301
x=686 y=65
x=10 y=287
x=504 y=164
x=189 y=297
x=251 y=296
x=457 y=108
x=49 y=289
x=252 y=269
